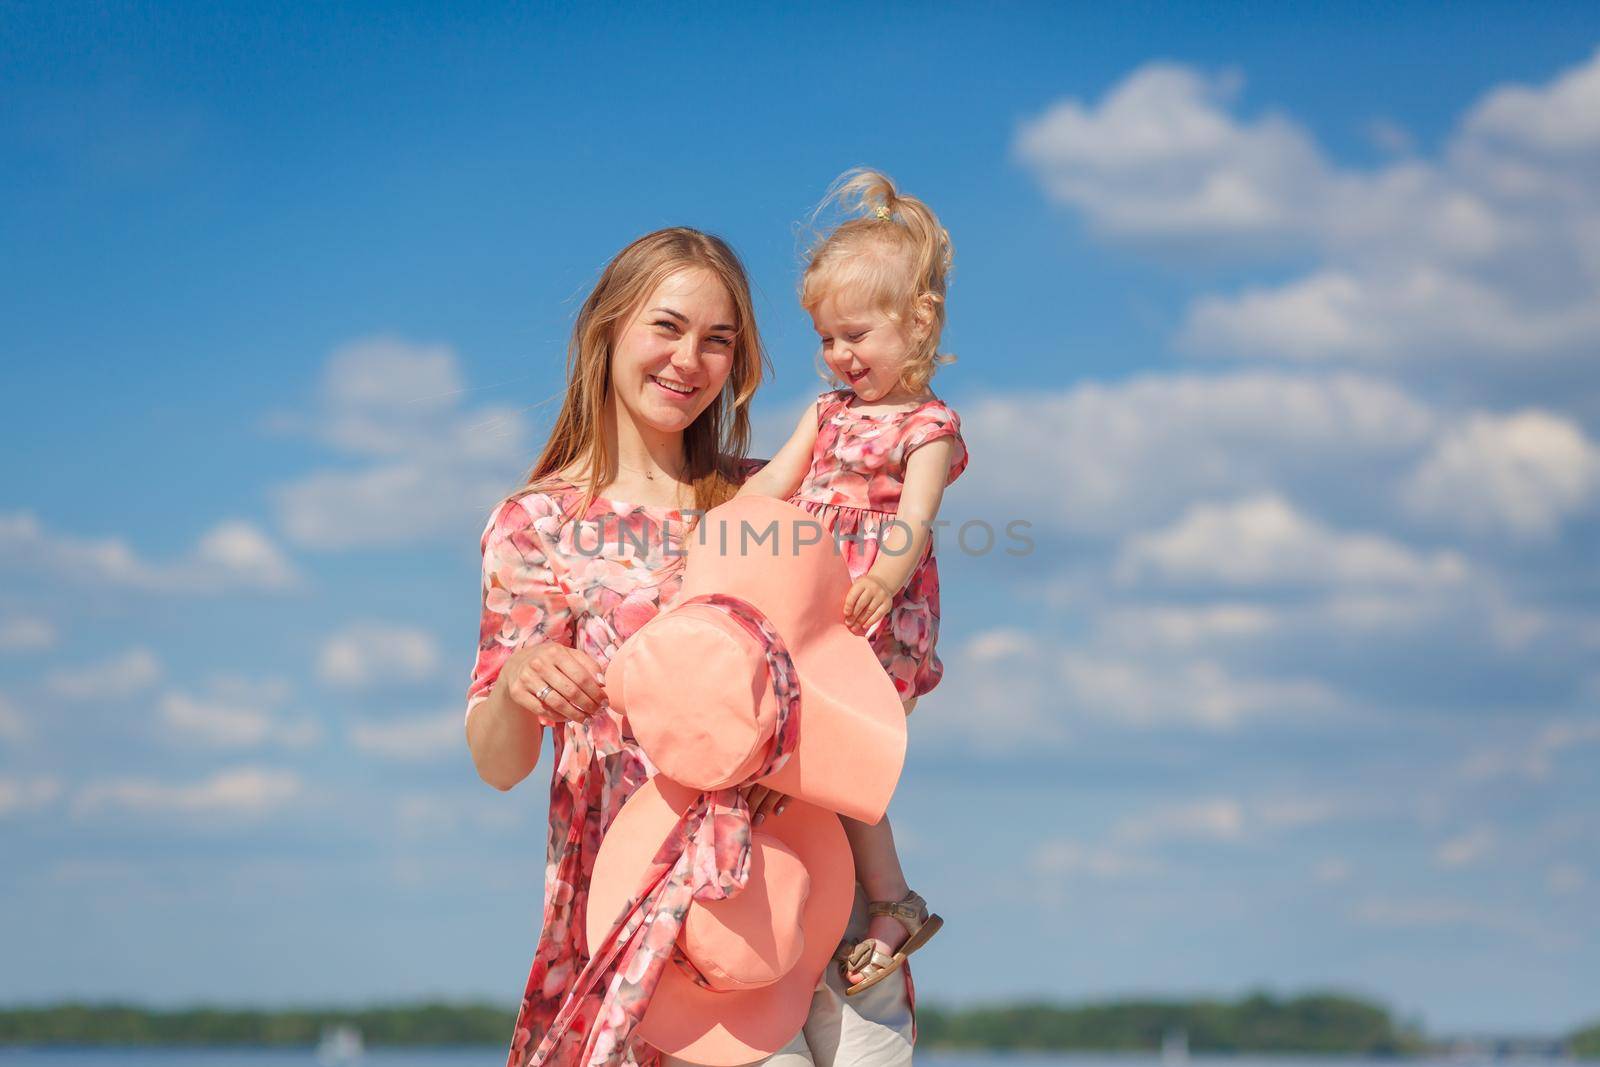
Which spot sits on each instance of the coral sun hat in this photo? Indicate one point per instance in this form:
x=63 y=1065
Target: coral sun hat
x=696 y=687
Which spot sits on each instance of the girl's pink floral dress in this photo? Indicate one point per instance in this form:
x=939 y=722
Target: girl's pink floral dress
x=589 y=585
x=858 y=468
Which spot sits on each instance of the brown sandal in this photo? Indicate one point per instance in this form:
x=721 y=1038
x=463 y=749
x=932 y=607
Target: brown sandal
x=863 y=956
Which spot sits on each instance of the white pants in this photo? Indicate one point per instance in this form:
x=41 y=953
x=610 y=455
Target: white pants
x=870 y=1029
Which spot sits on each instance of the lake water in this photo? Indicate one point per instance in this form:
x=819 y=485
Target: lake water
x=495 y=1057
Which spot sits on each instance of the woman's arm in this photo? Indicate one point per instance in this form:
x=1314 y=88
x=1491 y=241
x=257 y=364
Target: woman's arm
x=525 y=643
x=786 y=470
x=503 y=737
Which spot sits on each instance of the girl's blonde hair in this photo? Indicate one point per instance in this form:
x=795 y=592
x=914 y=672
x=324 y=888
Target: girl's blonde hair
x=714 y=444
x=890 y=249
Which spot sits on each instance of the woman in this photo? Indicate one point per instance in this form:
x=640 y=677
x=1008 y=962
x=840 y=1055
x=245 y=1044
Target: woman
x=664 y=360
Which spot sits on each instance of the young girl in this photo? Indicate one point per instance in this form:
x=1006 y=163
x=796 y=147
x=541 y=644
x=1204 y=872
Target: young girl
x=871 y=461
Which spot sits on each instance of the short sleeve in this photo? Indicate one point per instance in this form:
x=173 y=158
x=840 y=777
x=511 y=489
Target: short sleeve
x=930 y=424
x=523 y=602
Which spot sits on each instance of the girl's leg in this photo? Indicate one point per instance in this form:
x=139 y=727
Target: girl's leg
x=878 y=871
x=874 y=1028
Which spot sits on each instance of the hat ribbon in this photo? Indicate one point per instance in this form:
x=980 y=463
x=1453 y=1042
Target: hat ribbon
x=705 y=856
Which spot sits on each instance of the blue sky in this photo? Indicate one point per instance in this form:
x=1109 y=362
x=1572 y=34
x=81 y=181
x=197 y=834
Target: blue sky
x=1276 y=322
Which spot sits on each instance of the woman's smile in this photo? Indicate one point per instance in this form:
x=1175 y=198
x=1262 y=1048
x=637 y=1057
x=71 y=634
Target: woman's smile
x=673 y=388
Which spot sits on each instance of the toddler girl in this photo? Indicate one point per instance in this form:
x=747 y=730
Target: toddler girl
x=871 y=461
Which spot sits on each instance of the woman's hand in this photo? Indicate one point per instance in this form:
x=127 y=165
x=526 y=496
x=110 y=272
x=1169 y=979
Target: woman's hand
x=763 y=801
x=867 y=601
x=569 y=681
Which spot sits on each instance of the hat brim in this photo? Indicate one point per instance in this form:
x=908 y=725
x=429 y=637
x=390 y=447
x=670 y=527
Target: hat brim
x=853 y=730
x=685 y=1019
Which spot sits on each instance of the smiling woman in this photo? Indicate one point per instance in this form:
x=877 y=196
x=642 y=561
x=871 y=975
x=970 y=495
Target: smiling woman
x=664 y=359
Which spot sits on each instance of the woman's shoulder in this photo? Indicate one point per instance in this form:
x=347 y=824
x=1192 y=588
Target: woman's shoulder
x=544 y=500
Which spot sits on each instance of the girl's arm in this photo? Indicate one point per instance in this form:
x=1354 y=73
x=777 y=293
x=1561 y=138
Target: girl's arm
x=926 y=474
x=783 y=475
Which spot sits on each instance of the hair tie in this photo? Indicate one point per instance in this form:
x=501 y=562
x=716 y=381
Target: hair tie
x=883 y=212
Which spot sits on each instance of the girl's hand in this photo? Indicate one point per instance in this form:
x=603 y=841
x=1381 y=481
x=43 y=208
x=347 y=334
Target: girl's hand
x=867 y=602
x=763 y=801
x=573 y=679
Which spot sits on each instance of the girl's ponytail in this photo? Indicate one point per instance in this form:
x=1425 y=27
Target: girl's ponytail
x=878 y=218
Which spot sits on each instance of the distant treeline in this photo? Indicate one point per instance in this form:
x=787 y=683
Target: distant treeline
x=1585 y=1044
x=1258 y=1023
x=1313 y=1023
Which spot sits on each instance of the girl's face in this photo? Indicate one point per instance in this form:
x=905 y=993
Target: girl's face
x=862 y=345
x=672 y=357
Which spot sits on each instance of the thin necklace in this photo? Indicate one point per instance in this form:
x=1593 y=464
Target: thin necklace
x=649 y=475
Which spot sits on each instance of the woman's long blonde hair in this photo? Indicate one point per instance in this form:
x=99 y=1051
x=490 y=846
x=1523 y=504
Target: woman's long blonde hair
x=891 y=249
x=714 y=444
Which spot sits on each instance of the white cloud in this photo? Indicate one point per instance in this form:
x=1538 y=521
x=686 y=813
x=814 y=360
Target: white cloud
x=1264 y=541
x=1561 y=120
x=369 y=654
x=1009 y=690
x=19 y=634
x=1124 y=455
x=1535 y=757
x=1467 y=848
x=998 y=696
x=425 y=465
x=1425 y=912
x=1565 y=878
x=1489 y=252
x=1133 y=840
x=132 y=672
x=1063 y=858
x=1185 y=626
x=1225 y=626
x=237 y=548
x=418 y=815
x=232 y=555
x=1198 y=692
x=1331 y=870
x=238 y=792
x=421 y=738
x=1299 y=810
x=13 y=726
x=1210 y=819
x=19 y=796
x=1520 y=474
x=1160 y=157
x=1190 y=589
x=236 y=713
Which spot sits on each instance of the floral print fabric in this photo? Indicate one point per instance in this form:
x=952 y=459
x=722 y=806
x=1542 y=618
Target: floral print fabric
x=587 y=582
x=705 y=856
x=853 y=488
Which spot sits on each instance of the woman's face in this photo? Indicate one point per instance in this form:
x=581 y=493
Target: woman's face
x=672 y=357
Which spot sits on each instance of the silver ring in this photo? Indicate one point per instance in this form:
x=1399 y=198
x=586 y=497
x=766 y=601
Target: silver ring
x=541 y=694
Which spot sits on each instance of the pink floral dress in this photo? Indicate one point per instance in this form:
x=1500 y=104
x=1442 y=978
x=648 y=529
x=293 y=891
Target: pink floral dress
x=589 y=585
x=858 y=468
